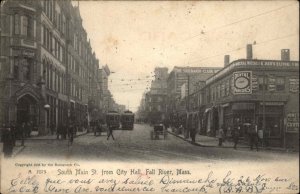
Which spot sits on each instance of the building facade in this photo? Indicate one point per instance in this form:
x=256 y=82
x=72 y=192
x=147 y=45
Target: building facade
x=156 y=98
x=182 y=82
x=261 y=92
x=48 y=67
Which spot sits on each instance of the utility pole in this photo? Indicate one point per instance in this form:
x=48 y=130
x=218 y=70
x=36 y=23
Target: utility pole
x=264 y=110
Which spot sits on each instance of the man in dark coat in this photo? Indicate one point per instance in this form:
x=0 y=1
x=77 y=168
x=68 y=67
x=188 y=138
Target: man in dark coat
x=236 y=133
x=110 y=132
x=13 y=132
x=71 y=133
x=253 y=135
x=7 y=141
x=64 y=132
x=58 y=131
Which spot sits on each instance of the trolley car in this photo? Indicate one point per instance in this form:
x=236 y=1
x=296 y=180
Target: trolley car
x=113 y=120
x=127 y=120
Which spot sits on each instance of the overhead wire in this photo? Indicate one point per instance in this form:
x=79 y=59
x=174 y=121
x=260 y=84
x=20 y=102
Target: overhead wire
x=240 y=48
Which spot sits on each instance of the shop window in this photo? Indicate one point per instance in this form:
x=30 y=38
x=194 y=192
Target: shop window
x=280 y=84
x=272 y=128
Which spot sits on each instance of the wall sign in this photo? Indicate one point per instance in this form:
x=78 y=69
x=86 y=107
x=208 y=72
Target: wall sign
x=292 y=122
x=294 y=85
x=242 y=82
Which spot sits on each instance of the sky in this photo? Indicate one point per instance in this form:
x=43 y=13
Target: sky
x=133 y=38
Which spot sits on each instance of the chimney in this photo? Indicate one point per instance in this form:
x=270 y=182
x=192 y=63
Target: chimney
x=285 y=54
x=249 y=51
x=226 y=60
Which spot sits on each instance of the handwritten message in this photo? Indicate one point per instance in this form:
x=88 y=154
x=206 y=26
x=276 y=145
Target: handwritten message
x=72 y=178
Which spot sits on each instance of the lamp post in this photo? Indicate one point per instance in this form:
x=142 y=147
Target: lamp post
x=10 y=78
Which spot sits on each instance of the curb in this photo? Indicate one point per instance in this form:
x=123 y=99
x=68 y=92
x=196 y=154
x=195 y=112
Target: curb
x=18 y=151
x=211 y=146
x=202 y=145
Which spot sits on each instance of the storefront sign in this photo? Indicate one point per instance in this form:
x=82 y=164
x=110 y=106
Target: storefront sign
x=195 y=70
x=272 y=103
x=254 y=82
x=242 y=82
x=292 y=124
x=271 y=83
x=252 y=64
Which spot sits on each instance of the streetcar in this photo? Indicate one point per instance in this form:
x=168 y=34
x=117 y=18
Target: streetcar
x=113 y=120
x=127 y=120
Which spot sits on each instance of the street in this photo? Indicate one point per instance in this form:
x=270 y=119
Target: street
x=136 y=145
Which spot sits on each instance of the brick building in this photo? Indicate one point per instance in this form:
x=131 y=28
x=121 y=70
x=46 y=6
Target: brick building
x=48 y=69
x=181 y=83
x=264 y=92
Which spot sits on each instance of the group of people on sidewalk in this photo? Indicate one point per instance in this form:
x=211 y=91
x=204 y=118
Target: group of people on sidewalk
x=249 y=128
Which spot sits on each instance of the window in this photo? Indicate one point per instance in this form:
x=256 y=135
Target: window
x=58 y=51
x=262 y=83
x=64 y=25
x=159 y=108
x=280 y=84
x=222 y=93
x=16 y=68
x=227 y=88
x=27 y=26
x=17 y=23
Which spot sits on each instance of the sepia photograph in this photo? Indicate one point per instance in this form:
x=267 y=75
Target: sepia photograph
x=149 y=96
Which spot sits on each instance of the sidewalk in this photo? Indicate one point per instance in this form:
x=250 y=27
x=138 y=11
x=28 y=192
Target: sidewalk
x=17 y=149
x=53 y=137
x=206 y=141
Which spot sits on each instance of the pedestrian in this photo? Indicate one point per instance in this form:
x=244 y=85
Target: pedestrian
x=23 y=132
x=236 y=133
x=192 y=126
x=221 y=135
x=52 y=128
x=225 y=129
x=7 y=141
x=253 y=134
x=71 y=133
x=13 y=132
x=28 y=128
x=58 y=131
x=95 y=128
x=193 y=134
x=110 y=132
x=64 y=132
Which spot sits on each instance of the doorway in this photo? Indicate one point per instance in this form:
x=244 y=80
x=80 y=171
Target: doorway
x=27 y=110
